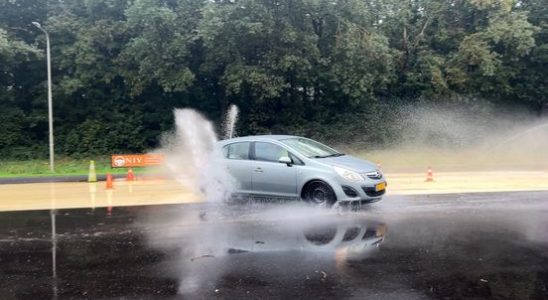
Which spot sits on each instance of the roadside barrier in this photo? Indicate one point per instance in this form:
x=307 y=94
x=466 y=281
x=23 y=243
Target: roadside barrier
x=136 y=160
x=131 y=161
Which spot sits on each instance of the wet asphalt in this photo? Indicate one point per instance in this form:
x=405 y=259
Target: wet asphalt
x=458 y=246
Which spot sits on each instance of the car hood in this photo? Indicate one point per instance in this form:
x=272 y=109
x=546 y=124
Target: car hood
x=349 y=162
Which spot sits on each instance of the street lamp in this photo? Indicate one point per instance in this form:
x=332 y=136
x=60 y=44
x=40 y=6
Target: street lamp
x=50 y=109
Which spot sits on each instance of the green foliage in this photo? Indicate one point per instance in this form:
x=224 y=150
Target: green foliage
x=157 y=51
x=329 y=69
x=63 y=166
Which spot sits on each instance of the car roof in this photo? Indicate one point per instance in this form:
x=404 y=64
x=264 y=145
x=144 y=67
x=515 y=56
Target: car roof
x=258 y=138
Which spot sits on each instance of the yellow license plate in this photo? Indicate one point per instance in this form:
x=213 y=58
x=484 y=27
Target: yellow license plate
x=380 y=186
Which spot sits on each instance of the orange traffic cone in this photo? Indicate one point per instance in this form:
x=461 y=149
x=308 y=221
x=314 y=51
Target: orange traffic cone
x=110 y=185
x=429 y=175
x=109 y=202
x=130 y=176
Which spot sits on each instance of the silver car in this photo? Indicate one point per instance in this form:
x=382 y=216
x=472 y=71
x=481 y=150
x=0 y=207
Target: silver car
x=300 y=168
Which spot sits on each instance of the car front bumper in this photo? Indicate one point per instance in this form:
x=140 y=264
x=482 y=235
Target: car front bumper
x=362 y=192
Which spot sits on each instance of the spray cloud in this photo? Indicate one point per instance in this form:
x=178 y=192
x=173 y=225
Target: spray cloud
x=193 y=158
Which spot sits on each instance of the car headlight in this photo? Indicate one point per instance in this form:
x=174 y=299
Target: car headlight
x=348 y=175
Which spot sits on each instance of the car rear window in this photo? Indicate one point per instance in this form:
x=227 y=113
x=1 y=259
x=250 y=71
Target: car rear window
x=237 y=151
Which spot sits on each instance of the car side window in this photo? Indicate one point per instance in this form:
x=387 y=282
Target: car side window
x=295 y=159
x=236 y=151
x=270 y=152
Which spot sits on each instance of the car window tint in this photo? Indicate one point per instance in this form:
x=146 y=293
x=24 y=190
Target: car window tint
x=237 y=151
x=269 y=152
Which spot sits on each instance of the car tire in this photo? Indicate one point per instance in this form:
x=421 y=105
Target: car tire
x=319 y=193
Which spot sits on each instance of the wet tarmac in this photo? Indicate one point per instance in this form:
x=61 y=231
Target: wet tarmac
x=455 y=246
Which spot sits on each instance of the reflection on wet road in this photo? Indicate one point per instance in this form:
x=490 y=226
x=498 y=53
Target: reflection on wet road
x=405 y=247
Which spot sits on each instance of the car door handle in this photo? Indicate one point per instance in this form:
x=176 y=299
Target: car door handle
x=258 y=170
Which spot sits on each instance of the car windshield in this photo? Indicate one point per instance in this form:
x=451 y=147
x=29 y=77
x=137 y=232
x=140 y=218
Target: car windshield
x=310 y=148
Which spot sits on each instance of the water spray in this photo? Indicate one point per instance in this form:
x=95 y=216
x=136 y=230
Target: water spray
x=230 y=122
x=193 y=158
x=521 y=134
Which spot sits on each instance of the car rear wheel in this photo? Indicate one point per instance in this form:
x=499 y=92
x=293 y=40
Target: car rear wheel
x=319 y=193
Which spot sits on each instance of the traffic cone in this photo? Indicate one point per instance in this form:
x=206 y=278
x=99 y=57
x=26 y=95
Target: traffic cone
x=110 y=184
x=92 y=176
x=130 y=176
x=109 y=202
x=92 y=193
x=429 y=175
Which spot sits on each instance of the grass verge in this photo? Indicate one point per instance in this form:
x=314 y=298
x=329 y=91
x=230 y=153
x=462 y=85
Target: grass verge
x=63 y=167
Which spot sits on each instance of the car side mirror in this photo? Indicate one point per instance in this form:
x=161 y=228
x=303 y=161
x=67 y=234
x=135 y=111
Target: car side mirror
x=286 y=160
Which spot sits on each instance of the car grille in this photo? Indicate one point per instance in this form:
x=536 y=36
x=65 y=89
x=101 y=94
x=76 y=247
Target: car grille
x=373 y=175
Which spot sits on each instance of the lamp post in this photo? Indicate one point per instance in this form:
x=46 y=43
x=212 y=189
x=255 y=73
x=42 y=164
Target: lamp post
x=50 y=109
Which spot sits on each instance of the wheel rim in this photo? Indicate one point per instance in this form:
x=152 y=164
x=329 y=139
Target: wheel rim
x=319 y=194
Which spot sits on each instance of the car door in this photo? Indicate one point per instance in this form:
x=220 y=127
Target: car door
x=239 y=164
x=269 y=176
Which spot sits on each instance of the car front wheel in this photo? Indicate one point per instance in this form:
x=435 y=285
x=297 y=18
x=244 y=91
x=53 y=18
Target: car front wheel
x=319 y=193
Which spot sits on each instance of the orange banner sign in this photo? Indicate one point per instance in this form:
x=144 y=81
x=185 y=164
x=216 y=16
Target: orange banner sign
x=136 y=160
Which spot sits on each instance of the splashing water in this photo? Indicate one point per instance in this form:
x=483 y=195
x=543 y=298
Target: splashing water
x=230 y=122
x=193 y=159
x=522 y=133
